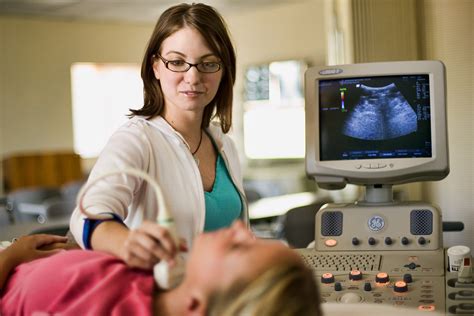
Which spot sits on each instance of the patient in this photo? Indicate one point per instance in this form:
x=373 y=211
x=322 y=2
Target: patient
x=228 y=272
x=26 y=249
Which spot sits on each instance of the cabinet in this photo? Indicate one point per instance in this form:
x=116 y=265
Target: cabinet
x=46 y=169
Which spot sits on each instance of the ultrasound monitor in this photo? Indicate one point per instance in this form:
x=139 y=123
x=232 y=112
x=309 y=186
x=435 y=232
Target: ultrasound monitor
x=376 y=123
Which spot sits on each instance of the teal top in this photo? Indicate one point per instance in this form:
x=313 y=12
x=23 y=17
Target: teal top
x=223 y=204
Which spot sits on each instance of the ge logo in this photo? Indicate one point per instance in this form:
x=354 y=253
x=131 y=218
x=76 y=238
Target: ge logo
x=376 y=223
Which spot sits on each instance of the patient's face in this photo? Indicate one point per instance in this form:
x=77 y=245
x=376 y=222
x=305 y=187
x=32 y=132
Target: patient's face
x=222 y=257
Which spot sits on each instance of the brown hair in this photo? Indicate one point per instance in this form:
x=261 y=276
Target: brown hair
x=207 y=21
x=286 y=290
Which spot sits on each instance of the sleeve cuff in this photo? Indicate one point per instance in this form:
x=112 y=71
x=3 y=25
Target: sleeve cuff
x=91 y=224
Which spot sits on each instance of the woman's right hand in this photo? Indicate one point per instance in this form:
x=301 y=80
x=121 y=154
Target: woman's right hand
x=148 y=244
x=28 y=248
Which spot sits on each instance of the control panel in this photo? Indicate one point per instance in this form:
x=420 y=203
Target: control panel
x=389 y=254
x=391 y=227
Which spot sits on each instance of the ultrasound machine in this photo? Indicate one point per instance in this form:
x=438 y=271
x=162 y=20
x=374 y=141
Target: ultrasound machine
x=379 y=125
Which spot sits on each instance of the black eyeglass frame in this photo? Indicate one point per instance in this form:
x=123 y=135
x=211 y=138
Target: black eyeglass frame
x=190 y=65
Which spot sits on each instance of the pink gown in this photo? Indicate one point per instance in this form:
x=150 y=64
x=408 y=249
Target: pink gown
x=78 y=282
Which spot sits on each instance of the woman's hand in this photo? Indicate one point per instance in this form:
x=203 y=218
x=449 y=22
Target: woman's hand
x=28 y=248
x=149 y=244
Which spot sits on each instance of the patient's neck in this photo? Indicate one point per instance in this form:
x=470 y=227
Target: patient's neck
x=170 y=302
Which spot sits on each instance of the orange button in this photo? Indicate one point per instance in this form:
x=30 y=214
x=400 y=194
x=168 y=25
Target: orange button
x=327 y=278
x=355 y=275
x=400 y=287
x=330 y=242
x=382 y=277
x=426 y=308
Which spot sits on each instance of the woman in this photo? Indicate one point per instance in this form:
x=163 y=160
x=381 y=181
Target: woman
x=188 y=73
x=257 y=275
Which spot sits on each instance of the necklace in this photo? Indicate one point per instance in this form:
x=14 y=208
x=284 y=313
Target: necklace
x=194 y=152
x=199 y=145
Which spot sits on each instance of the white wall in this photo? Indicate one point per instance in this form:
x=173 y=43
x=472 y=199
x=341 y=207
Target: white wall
x=36 y=61
x=37 y=55
x=2 y=92
x=286 y=31
x=448 y=35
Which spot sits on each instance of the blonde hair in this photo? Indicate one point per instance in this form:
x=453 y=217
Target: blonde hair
x=283 y=290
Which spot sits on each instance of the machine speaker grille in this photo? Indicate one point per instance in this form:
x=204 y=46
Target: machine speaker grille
x=421 y=222
x=331 y=223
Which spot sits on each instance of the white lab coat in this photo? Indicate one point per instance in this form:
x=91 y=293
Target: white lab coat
x=155 y=147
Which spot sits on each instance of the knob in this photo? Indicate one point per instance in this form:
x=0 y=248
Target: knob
x=400 y=287
x=355 y=241
x=411 y=266
x=405 y=241
x=367 y=287
x=337 y=286
x=422 y=240
x=388 y=241
x=355 y=275
x=407 y=278
x=327 y=278
x=372 y=241
x=382 y=277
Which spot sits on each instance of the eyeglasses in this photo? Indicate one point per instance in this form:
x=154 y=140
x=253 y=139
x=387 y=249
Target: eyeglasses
x=183 y=66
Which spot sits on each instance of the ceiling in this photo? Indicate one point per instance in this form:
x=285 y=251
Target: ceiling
x=142 y=11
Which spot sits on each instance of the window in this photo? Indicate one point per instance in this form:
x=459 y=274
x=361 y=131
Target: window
x=102 y=95
x=274 y=111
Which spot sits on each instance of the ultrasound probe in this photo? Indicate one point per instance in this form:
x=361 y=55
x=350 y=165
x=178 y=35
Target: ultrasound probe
x=166 y=277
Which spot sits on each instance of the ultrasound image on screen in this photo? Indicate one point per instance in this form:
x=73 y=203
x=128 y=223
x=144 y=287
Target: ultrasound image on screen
x=375 y=117
x=381 y=113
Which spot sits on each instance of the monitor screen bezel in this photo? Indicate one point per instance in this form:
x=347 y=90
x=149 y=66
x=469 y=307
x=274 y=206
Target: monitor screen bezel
x=336 y=173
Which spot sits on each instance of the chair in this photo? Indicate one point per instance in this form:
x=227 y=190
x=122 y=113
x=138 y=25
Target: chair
x=5 y=218
x=27 y=204
x=58 y=211
x=298 y=224
x=70 y=190
x=252 y=195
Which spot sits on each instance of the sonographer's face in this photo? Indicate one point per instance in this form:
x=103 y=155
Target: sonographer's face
x=220 y=258
x=193 y=89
